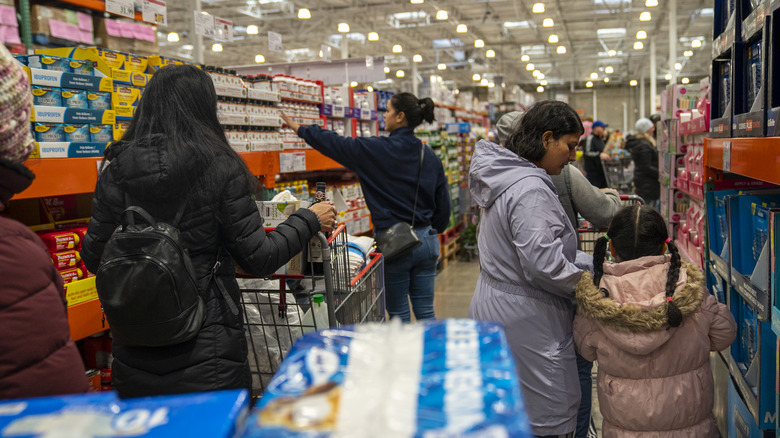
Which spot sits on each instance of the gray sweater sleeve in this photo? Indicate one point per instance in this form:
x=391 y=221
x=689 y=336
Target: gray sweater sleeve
x=594 y=205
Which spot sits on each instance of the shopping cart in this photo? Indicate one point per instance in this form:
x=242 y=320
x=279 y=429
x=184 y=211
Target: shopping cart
x=279 y=309
x=589 y=235
x=619 y=173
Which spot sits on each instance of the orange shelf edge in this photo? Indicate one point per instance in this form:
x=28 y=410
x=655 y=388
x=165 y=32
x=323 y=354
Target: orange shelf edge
x=97 y=5
x=61 y=176
x=85 y=319
x=757 y=158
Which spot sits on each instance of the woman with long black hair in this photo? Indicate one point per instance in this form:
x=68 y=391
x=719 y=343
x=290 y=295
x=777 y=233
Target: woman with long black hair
x=175 y=153
x=388 y=171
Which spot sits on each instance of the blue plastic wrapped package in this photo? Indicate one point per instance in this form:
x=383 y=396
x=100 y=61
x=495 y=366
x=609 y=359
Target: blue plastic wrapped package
x=432 y=379
x=220 y=414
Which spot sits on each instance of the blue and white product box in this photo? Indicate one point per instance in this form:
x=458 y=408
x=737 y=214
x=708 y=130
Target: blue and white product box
x=65 y=149
x=99 y=100
x=71 y=81
x=101 y=133
x=46 y=62
x=76 y=133
x=218 y=414
x=82 y=67
x=74 y=99
x=48 y=96
x=72 y=115
x=49 y=132
x=452 y=377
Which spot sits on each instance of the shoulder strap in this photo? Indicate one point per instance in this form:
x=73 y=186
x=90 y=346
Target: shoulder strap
x=417 y=189
x=567 y=180
x=147 y=216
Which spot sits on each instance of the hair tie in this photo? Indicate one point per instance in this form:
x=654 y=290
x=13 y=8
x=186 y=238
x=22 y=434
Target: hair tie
x=606 y=237
x=669 y=299
x=668 y=239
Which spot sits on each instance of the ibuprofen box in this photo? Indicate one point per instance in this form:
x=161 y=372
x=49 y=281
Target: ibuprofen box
x=219 y=414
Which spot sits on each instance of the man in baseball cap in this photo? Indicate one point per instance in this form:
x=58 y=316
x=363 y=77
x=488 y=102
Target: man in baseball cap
x=594 y=146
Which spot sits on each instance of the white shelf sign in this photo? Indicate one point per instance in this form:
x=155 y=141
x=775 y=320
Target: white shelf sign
x=223 y=29
x=204 y=24
x=326 y=53
x=275 y=42
x=727 y=156
x=292 y=162
x=369 y=62
x=155 y=11
x=124 y=8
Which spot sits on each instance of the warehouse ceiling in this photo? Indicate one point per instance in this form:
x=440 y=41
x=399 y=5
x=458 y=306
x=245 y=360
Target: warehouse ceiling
x=589 y=31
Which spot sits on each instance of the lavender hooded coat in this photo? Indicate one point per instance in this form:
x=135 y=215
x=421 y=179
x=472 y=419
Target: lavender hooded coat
x=653 y=380
x=530 y=267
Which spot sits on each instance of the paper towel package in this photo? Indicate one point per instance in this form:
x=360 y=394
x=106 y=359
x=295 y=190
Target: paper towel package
x=206 y=414
x=445 y=378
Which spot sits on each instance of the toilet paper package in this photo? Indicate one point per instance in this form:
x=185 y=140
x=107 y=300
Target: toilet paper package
x=444 y=378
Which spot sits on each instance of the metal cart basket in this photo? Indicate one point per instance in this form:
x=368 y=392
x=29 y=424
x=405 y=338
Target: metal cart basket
x=278 y=310
x=619 y=173
x=589 y=235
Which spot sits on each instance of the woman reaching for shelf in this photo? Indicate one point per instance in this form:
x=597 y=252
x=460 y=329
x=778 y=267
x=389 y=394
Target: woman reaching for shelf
x=388 y=170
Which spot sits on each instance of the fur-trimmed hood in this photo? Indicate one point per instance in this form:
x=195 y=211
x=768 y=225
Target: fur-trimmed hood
x=634 y=313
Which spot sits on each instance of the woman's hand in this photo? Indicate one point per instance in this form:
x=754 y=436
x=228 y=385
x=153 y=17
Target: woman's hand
x=326 y=213
x=290 y=123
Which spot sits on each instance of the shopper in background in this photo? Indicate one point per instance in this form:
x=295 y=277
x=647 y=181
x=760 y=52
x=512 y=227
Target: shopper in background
x=388 y=169
x=175 y=152
x=529 y=258
x=651 y=324
x=645 y=156
x=593 y=153
x=577 y=196
x=37 y=355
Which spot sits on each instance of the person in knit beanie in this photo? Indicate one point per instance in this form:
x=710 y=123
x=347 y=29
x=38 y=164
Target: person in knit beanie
x=37 y=355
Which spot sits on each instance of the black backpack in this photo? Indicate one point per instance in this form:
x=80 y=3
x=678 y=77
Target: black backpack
x=147 y=284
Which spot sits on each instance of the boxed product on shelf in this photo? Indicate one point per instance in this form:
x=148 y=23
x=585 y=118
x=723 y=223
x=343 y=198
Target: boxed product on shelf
x=74 y=99
x=218 y=414
x=722 y=105
x=49 y=132
x=774 y=224
x=724 y=25
x=740 y=420
x=62 y=240
x=773 y=76
x=333 y=374
x=48 y=21
x=69 y=80
x=130 y=77
x=76 y=133
x=126 y=36
x=99 y=100
x=749 y=109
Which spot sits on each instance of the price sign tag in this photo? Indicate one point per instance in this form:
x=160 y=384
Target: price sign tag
x=124 y=8
x=155 y=11
x=204 y=24
x=223 y=29
x=275 y=42
x=727 y=156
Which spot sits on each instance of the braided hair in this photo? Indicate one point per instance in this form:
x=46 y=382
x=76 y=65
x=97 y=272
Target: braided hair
x=640 y=231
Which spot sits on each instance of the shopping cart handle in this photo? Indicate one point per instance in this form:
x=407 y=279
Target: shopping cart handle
x=336 y=232
x=638 y=199
x=375 y=257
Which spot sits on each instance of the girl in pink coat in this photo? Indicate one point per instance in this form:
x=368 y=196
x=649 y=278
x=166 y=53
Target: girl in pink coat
x=651 y=324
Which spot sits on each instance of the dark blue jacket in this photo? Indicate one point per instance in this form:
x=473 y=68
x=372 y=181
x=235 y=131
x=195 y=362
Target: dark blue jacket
x=387 y=167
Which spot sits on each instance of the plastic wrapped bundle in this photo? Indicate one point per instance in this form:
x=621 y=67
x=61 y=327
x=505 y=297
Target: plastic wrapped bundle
x=434 y=379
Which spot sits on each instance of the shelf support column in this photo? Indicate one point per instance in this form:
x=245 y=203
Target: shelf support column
x=197 y=39
x=24 y=10
x=672 y=39
x=653 y=75
x=642 y=97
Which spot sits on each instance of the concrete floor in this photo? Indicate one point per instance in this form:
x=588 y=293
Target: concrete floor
x=454 y=289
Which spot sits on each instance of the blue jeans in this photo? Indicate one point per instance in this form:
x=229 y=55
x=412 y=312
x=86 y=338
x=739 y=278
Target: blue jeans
x=412 y=277
x=584 y=369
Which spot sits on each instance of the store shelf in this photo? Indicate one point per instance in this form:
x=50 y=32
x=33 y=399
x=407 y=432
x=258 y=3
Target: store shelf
x=86 y=319
x=97 y=5
x=757 y=158
x=61 y=176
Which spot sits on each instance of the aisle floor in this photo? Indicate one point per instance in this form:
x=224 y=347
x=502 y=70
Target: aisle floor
x=454 y=289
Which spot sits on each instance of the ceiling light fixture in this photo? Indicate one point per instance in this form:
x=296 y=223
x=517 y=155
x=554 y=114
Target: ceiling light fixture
x=609 y=70
x=462 y=28
x=442 y=67
x=456 y=91
x=606 y=80
x=476 y=77
x=641 y=35
x=399 y=74
x=638 y=45
x=612 y=53
x=304 y=14
x=688 y=53
x=370 y=89
x=540 y=76
x=217 y=47
x=373 y=36
x=479 y=44
x=548 y=22
x=536 y=73
x=252 y=30
x=685 y=80
x=529 y=67
x=442 y=15
x=343 y=27
x=677 y=66
x=668 y=76
x=397 y=48
x=417 y=58
x=387 y=69
x=543 y=82
x=696 y=44
x=417 y=2
x=561 y=50
x=259 y=59
x=491 y=84
x=538 y=8
x=651 y=3
x=173 y=37
x=633 y=82
x=490 y=54
x=483 y=82
x=525 y=58
x=553 y=39
x=645 y=16
x=540 y=89
x=589 y=84
x=594 y=75
x=353 y=84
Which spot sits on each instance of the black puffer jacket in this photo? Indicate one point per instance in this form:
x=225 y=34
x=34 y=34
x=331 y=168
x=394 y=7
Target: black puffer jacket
x=220 y=218
x=645 y=156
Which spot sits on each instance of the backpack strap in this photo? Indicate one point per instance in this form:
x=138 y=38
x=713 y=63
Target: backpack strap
x=225 y=295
